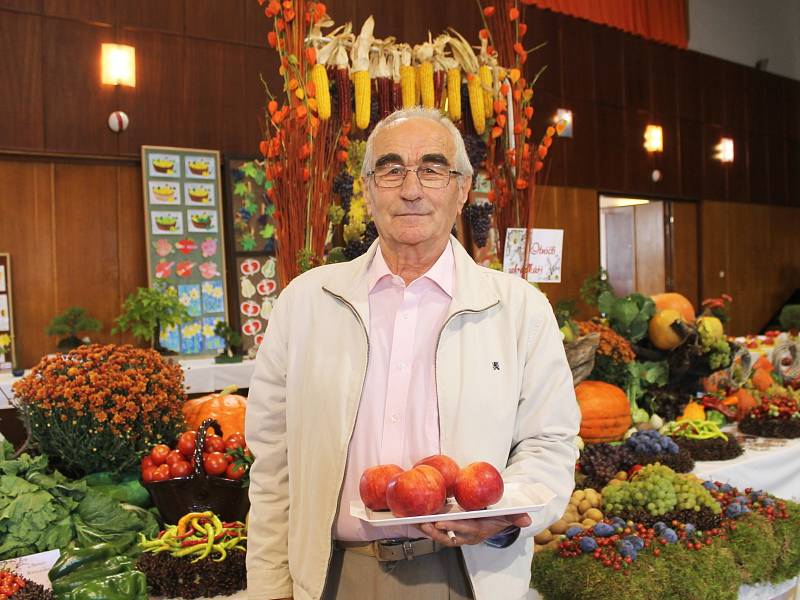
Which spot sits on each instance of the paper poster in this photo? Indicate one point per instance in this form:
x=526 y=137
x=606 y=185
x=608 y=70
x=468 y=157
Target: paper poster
x=185 y=238
x=2 y=278
x=544 y=257
x=170 y=338
x=5 y=323
x=210 y=339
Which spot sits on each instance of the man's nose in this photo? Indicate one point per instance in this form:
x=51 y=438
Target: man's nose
x=411 y=188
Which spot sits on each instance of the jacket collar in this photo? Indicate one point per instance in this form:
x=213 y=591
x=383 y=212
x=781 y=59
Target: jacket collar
x=472 y=291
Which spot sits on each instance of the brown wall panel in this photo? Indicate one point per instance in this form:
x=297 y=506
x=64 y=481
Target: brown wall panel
x=94 y=11
x=668 y=161
x=544 y=26
x=638 y=162
x=690 y=86
x=735 y=92
x=214 y=19
x=776 y=105
x=777 y=170
x=715 y=240
x=713 y=72
x=637 y=69
x=609 y=81
x=684 y=251
x=714 y=177
x=21 y=96
x=583 y=148
x=738 y=180
x=76 y=116
x=578 y=67
x=26 y=233
x=664 y=79
x=793 y=162
x=691 y=158
x=757 y=102
x=160 y=15
x=611 y=137
x=792 y=108
x=34 y=6
x=554 y=172
x=758 y=167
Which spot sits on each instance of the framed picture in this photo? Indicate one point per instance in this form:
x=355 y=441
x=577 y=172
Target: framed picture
x=185 y=241
x=251 y=244
x=7 y=339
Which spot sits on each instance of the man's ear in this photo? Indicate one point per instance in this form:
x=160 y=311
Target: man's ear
x=367 y=192
x=463 y=190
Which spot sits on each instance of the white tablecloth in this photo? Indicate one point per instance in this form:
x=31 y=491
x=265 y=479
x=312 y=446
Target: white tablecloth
x=200 y=376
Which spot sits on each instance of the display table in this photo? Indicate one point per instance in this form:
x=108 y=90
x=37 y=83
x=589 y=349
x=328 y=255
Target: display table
x=200 y=376
x=781 y=591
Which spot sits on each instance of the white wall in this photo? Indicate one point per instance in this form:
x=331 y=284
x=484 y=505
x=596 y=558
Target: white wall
x=744 y=31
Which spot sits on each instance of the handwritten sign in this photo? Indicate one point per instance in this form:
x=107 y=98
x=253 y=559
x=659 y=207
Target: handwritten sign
x=544 y=256
x=33 y=566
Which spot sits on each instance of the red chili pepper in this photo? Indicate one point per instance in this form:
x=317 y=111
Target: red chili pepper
x=187 y=543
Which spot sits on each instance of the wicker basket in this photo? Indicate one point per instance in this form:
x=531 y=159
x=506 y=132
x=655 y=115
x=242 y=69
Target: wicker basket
x=580 y=355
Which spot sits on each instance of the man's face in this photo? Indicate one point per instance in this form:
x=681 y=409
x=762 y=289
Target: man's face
x=412 y=214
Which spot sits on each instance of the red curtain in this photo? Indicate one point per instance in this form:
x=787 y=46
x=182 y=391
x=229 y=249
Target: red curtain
x=659 y=20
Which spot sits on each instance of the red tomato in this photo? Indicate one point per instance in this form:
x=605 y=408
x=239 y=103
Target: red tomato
x=215 y=463
x=161 y=472
x=186 y=443
x=235 y=440
x=180 y=469
x=235 y=472
x=214 y=443
x=147 y=474
x=159 y=454
x=173 y=457
x=147 y=462
x=229 y=457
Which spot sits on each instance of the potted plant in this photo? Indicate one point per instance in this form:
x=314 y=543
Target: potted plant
x=232 y=340
x=69 y=325
x=790 y=318
x=148 y=310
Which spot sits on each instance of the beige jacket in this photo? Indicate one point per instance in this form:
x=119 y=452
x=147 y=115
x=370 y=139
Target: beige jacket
x=505 y=396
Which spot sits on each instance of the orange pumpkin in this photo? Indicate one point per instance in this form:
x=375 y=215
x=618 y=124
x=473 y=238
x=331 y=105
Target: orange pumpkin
x=605 y=412
x=673 y=301
x=226 y=407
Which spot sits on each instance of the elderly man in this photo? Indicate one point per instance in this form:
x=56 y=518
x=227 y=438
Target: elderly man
x=407 y=351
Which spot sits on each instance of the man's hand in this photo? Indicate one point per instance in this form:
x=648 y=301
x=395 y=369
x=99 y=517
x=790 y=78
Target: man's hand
x=471 y=531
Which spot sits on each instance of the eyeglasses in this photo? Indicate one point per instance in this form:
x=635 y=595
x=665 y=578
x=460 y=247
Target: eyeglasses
x=429 y=176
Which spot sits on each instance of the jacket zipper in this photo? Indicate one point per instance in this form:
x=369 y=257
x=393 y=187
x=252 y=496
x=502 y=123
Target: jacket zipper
x=352 y=428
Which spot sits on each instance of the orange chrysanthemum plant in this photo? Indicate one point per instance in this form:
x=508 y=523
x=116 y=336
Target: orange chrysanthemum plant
x=514 y=160
x=303 y=146
x=101 y=407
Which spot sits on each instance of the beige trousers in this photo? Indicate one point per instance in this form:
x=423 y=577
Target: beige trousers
x=438 y=576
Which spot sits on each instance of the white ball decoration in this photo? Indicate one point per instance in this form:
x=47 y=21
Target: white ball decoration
x=118 y=121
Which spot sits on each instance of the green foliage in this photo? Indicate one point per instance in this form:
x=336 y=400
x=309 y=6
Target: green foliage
x=611 y=371
x=148 y=309
x=645 y=376
x=336 y=255
x=627 y=316
x=229 y=334
x=306 y=260
x=790 y=317
x=594 y=285
x=565 y=310
x=71 y=322
x=788 y=565
x=754 y=548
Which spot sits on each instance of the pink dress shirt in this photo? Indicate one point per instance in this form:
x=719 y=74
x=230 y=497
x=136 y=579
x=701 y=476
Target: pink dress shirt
x=398 y=417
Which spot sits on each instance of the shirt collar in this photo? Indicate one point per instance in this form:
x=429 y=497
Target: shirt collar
x=442 y=273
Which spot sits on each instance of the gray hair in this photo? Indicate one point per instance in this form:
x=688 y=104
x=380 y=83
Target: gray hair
x=462 y=165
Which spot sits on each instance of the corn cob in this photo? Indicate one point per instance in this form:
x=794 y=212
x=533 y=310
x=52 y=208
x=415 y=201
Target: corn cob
x=427 y=95
x=454 y=93
x=361 y=85
x=360 y=73
x=417 y=85
x=345 y=96
x=487 y=82
x=319 y=77
x=385 y=96
x=439 y=80
x=476 y=105
x=408 y=86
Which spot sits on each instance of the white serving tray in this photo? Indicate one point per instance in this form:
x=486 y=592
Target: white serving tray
x=518 y=498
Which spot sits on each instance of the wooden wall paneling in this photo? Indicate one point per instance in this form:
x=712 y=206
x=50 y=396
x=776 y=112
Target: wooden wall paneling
x=547 y=200
x=85 y=225
x=664 y=79
x=777 y=165
x=256 y=24
x=776 y=105
x=156 y=105
x=611 y=163
x=667 y=161
x=649 y=248
x=714 y=180
x=544 y=26
x=735 y=96
x=158 y=15
x=637 y=72
x=684 y=250
x=690 y=83
x=203 y=93
x=793 y=170
x=26 y=232
x=638 y=162
x=748 y=252
x=132 y=253
x=792 y=109
x=583 y=148
x=609 y=82
x=757 y=103
x=757 y=166
x=738 y=185
x=21 y=102
x=214 y=19
x=578 y=60
x=257 y=62
x=691 y=158
x=715 y=240
x=31 y=6
x=88 y=11
x=554 y=172
x=713 y=72
x=238 y=111
x=77 y=105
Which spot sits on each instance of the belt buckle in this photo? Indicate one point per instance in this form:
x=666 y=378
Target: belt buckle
x=403 y=543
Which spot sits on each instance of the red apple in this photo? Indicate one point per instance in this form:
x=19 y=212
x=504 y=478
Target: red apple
x=372 y=486
x=478 y=485
x=446 y=466
x=418 y=491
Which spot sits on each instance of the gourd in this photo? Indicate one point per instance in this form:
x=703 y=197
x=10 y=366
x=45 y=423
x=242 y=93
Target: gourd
x=226 y=407
x=605 y=411
x=674 y=301
x=694 y=411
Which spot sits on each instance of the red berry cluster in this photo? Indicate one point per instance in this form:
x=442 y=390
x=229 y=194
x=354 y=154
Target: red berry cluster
x=757 y=501
x=226 y=457
x=776 y=407
x=10 y=584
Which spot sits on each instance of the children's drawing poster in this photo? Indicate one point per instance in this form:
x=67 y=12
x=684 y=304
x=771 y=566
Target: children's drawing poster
x=185 y=241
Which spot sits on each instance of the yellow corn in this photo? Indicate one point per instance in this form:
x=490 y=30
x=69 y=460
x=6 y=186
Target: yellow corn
x=485 y=73
x=476 y=103
x=427 y=95
x=408 y=85
x=319 y=77
x=417 y=84
x=361 y=84
x=454 y=93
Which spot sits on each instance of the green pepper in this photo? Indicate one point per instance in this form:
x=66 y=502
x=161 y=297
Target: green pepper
x=95 y=571
x=716 y=417
x=73 y=559
x=130 y=585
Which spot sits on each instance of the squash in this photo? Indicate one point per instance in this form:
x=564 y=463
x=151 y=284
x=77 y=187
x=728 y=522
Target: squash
x=745 y=403
x=605 y=411
x=660 y=330
x=762 y=380
x=673 y=301
x=226 y=407
x=694 y=411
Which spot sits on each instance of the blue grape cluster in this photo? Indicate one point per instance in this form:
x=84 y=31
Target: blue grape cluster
x=343 y=187
x=651 y=442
